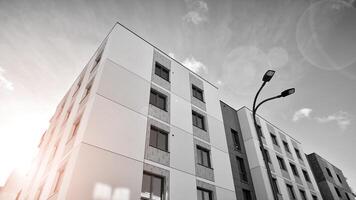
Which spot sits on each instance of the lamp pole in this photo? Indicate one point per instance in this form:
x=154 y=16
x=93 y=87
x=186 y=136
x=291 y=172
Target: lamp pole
x=266 y=78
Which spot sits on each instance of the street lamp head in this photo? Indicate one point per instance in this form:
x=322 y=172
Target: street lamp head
x=288 y=92
x=268 y=75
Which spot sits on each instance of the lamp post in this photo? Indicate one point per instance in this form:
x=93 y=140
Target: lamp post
x=266 y=78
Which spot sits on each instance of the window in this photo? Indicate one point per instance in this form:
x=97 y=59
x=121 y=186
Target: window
x=75 y=130
x=59 y=180
x=274 y=139
x=198 y=120
x=96 y=62
x=268 y=157
x=159 y=138
x=87 y=90
x=347 y=196
x=306 y=176
x=291 y=191
x=236 y=139
x=197 y=93
x=161 y=71
x=246 y=194
x=329 y=172
x=337 y=192
x=275 y=185
x=303 y=195
x=294 y=169
x=242 y=169
x=338 y=177
x=298 y=153
x=203 y=156
x=159 y=100
x=152 y=187
x=286 y=147
x=204 y=194
x=259 y=131
x=314 y=197
x=282 y=165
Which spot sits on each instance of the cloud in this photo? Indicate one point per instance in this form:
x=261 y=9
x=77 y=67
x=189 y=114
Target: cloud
x=197 y=12
x=302 y=113
x=4 y=82
x=343 y=119
x=194 y=65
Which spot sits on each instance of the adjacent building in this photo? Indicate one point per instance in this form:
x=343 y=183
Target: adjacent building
x=136 y=124
x=330 y=179
x=291 y=172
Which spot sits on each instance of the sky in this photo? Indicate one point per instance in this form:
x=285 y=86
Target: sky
x=311 y=45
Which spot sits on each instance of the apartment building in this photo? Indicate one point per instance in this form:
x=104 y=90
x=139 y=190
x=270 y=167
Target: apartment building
x=136 y=124
x=330 y=179
x=291 y=172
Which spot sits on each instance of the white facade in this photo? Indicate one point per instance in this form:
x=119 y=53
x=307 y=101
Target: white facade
x=97 y=146
x=258 y=169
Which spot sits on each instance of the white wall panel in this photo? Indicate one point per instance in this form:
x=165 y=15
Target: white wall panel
x=181 y=113
x=222 y=169
x=130 y=51
x=99 y=173
x=217 y=133
x=126 y=88
x=212 y=101
x=116 y=128
x=180 y=81
x=182 y=151
x=182 y=186
x=225 y=194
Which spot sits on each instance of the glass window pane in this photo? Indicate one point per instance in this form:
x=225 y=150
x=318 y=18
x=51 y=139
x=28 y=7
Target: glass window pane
x=146 y=186
x=153 y=137
x=199 y=152
x=206 y=195
x=205 y=159
x=156 y=188
x=162 y=141
x=152 y=98
x=200 y=195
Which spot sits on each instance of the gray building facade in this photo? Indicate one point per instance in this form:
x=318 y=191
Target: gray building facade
x=330 y=179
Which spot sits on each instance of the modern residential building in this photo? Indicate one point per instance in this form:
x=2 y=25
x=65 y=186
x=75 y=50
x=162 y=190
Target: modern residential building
x=290 y=169
x=330 y=179
x=136 y=124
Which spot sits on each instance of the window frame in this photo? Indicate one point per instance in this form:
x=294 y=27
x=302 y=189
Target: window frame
x=196 y=115
x=200 y=156
x=274 y=139
x=306 y=176
x=291 y=191
x=303 y=194
x=242 y=169
x=286 y=146
x=338 y=192
x=196 y=91
x=159 y=68
x=329 y=172
x=161 y=132
x=297 y=152
x=294 y=169
x=203 y=190
x=275 y=185
x=152 y=175
x=154 y=100
x=235 y=139
x=282 y=164
x=246 y=194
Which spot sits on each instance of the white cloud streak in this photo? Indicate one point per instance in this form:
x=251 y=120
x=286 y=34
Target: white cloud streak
x=4 y=82
x=302 y=113
x=194 y=65
x=342 y=119
x=197 y=12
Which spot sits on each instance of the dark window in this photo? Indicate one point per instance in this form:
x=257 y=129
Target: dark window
x=259 y=131
x=203 y=156
x=329 y=172
x=246 y=194
x=268 y=157
x=337 y=192
x=275 y=185
x=235 y=137
x=197 y=93
x=274 y=139
x=291 y=191
x=338 y=177
x=303 y=195
x=282 y=165
x=294 y=169
x=242 y=168
x=198 y=120
x=347 y=196
x=157 y=99
x=306 y=176
x=298 y=153
x=161 y=71
x=159 y=138
x=204 y=194
x=286 y=146
x=314 y=197
x=152 y=187
x=96 y=62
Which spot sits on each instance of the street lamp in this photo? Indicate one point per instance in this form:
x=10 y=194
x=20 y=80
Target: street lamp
x=266 y=78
